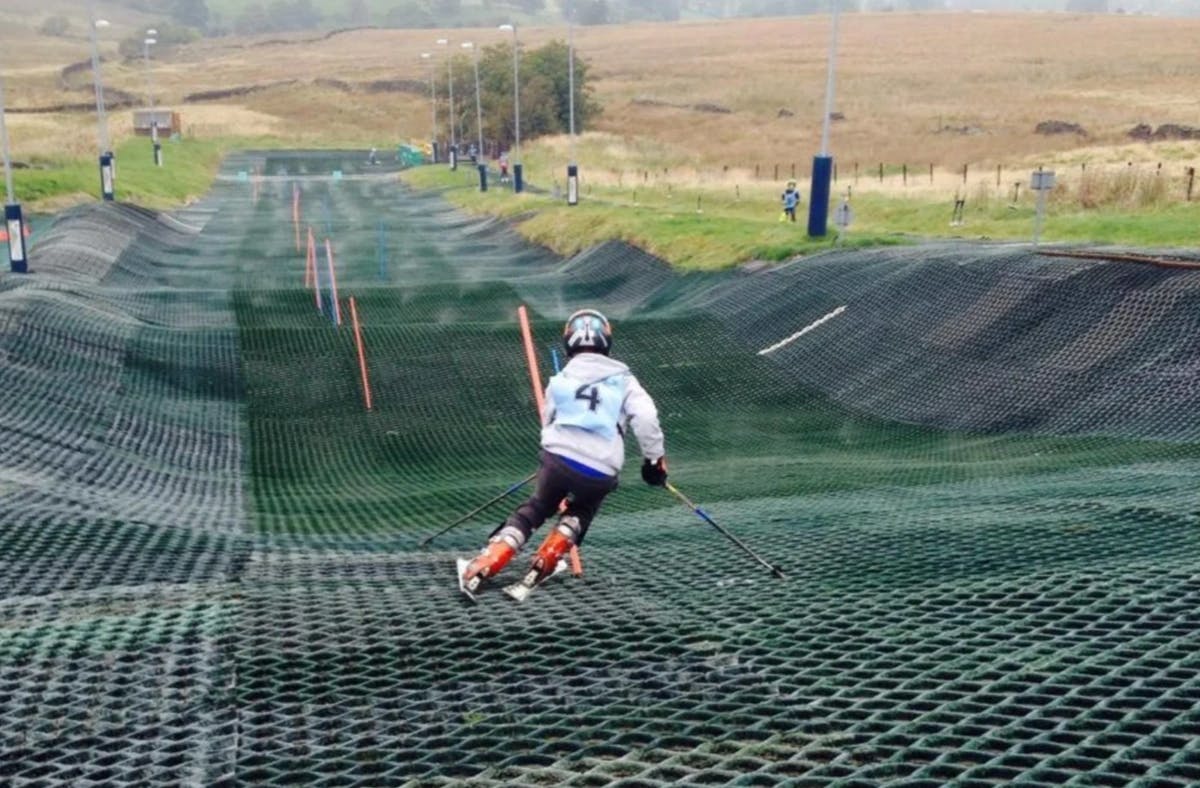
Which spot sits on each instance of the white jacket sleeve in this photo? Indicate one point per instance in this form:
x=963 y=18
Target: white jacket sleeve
x=547 y=407
x=641 y=414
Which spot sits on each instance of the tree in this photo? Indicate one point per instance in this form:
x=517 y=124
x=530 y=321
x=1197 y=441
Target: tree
x=544 y=93
x=410 y=14
x=190 y=13
x=549 y=64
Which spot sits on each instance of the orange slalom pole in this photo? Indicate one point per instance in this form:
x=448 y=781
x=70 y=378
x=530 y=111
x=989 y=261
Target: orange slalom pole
x=337 y=308
x=362 y=356
x=535 y=378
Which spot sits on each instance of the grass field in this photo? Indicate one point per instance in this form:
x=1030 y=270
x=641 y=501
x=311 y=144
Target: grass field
x=922 y=97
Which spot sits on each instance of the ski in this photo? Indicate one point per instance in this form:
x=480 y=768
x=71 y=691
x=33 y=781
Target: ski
x=462 y=565
x=520 y=591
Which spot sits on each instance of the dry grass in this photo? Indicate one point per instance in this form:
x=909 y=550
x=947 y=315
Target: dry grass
x=903 y=80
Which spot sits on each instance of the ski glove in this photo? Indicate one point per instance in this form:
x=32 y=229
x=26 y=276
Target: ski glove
x=655 y=473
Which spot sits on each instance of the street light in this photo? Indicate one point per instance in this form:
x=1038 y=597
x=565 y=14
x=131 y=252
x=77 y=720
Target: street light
x=572 y=166
x=146 y=44
x=481 y=166
x=432 y=100
x=108 y=170
x=18 y=259
x=453 y=159
x=822 y=172
x=518 y=181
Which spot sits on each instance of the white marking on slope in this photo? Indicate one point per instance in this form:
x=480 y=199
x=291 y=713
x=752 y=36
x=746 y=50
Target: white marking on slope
x=801 y=332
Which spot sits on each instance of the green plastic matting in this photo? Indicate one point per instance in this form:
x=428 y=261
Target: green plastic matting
x=978 y=467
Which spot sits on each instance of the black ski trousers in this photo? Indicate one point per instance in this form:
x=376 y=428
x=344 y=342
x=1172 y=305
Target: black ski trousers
x=555 y=481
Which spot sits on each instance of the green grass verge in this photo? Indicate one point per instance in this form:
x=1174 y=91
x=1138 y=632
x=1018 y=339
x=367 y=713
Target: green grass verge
x=189 y=168
x=693 y=229
x=714 y=227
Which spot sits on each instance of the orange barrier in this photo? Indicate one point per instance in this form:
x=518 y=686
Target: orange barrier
x=539 y=397
x=333 y=294
x=362 y=356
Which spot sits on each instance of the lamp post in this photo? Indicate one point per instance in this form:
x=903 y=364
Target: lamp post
x=822 y=172
x=432 y=100
x=518 y=179
x=572 y=166
x=480 y=164
x=108 y=170
x=146 y=44
x=453 y=157
x=18 y=258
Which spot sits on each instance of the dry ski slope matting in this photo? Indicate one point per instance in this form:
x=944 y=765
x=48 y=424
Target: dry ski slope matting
x=977 y=466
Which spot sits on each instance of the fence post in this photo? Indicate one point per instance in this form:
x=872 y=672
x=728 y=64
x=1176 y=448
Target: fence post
x=881 y=172
x=931 y=172
x=964 y=173
x=904 y=173
x=776 y=172
x=1191 y=176
x=998 y=167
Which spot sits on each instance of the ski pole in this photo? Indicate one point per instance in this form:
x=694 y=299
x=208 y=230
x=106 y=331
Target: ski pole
x=481 y=507
x=703 y=515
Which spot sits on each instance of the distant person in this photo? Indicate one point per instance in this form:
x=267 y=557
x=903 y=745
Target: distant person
x=790 y=199
x=474 y=153
x=503 y=161
x=373 y=156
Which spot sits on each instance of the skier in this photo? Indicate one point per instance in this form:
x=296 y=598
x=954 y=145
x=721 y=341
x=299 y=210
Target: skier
x=790 y=198
x=589 y=404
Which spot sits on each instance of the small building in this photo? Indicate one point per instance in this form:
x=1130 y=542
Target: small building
x=169 y=122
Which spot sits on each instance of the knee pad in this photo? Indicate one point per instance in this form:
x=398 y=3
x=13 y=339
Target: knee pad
x=512 y=535
x=570 y=527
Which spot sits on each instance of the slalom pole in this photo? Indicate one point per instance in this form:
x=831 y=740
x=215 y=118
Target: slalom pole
x=316 y=275
x=337 y=309
x=362 y=357
x=535 y=378
x=703 y=515
x=481 y=507
x=296 y=213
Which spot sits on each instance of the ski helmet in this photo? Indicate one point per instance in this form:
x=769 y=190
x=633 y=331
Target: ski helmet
x=587 y=331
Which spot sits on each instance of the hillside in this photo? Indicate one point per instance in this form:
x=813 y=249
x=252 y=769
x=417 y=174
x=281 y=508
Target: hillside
x=942 y=89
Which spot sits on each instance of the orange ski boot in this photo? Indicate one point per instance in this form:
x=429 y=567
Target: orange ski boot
x=493 y=558
x=556 y=545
